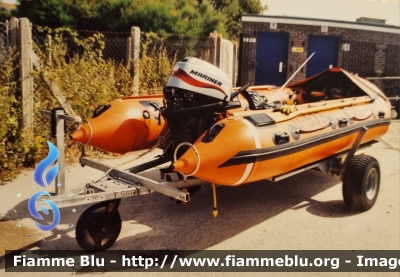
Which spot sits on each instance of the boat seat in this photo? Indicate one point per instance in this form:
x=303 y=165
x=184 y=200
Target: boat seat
x=316 y=96
x=336 y=96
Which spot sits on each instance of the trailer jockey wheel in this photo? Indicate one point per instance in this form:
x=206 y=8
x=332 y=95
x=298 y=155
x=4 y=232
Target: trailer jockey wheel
x=99 y=226
x=361 y=180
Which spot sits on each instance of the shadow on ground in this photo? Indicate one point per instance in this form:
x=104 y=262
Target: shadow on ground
x=156 y=222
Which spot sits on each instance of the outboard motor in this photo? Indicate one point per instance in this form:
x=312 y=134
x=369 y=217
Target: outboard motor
x=195 y=96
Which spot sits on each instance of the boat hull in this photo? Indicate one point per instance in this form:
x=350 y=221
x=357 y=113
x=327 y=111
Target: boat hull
x=242 y=152
x=123 y=128
x=125 y=125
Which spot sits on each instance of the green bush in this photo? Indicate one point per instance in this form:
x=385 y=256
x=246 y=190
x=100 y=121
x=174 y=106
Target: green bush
x=17 y=148
x=155 y=65
x=85 y=79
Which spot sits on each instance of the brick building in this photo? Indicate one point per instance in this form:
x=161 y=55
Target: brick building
x=272 y=48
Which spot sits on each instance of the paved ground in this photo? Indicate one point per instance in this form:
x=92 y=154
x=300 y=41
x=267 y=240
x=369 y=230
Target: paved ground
x=303 y=212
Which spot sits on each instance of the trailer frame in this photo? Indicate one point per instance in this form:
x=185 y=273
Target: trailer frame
x=99 y=226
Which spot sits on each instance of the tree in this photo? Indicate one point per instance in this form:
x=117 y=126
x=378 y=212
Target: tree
x=160 y=16
x=233 y=11
x=50 y=13
x=175 y=16
x=4 y=14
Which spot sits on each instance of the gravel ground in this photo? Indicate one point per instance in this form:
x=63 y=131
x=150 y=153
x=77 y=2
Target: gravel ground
x=303 y=212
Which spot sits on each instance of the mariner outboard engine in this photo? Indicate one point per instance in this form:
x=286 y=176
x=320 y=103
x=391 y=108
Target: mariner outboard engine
x=195 y=96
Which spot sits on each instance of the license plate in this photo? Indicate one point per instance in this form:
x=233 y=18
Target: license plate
x=128 y=193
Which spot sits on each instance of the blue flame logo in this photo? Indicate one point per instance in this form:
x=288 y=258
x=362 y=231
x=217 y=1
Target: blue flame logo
x=49 y=178
x=41 y=167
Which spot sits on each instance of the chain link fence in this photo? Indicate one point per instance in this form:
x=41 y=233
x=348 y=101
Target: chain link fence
x=175 y=46
x=159 y=54
x=390 y=83
x=40 y=41
x=137 y=62
x=392 y=90
x=4 y=39
x=80 y=70
x=114 y=48
x=172 y=47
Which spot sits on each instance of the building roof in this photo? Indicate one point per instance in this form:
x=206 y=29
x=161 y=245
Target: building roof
x=369 y=20
x=321 y=22
x=7 y=6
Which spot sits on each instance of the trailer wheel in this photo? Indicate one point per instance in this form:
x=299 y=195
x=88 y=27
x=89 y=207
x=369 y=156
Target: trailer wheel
x=98 y=229
x=361 y=180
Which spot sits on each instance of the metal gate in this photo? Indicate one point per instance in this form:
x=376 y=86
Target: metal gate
x=392 y=67
x=358 y=57
x=246 y=58
x=391 y=87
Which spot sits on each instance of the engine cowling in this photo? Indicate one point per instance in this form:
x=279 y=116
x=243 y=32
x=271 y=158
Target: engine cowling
x=195 y=83
x=196 y=94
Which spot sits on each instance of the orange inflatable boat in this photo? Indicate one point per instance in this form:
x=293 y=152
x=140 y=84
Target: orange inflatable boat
x=134 y=123
x=241 y=135
x=124 y=125
x=231 y=137
x=326 y=114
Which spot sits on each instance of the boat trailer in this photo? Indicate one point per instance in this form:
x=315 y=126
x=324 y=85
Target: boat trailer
x=99 y=226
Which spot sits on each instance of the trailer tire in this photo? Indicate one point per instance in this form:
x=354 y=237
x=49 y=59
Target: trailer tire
x=93 y=232
x=361 y=181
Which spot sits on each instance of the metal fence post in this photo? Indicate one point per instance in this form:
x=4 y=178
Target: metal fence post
x=59 y=143
x=58 y=119
x=128 y=51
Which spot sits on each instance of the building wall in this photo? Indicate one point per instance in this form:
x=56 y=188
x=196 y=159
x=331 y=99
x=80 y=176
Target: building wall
x=298 y=35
